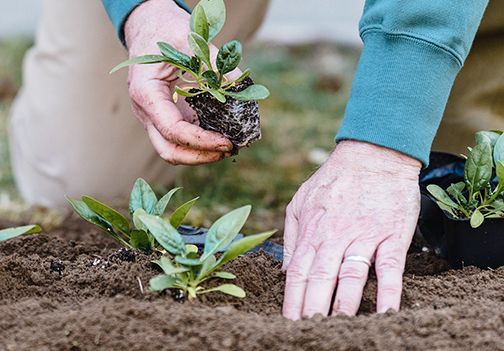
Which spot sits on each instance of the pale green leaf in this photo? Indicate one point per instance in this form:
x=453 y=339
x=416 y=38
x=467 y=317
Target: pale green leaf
x=229 y=57
x=168 y=267
x=253 y=92
x=9 y=233
x=181 y=212
x=215 y=11
x=200 y=48
x=224 y=230
x=218 y=95
x=147 y=59
x=199 y=23
x=160 y=207
x=229 y=289
x=439 y=194
x=167 y=236
x=142 y=196
x=477 y=218
x=162 y=282
x=224 y=275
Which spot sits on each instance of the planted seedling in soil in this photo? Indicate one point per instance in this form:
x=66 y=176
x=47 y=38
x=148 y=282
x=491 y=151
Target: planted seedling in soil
x=478 y=196
x=186 y=269
x=9 y=233
x=223 y=105
x=132 y=234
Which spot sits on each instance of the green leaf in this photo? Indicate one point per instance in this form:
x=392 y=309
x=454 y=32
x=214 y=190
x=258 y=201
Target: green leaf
x=175 y=57
x=455 y=191
x=224 y=230
x=147 y=59
x=9 y=233
x=229 y=289
x=207 y=267
x=200 y=48
x=87 y=214
x=478 y=167
x=487 y=136
x=140 y=240
x=446 y=208
x=162 y=282
x=142 y=196
x=212 y=79
x=167 y=236
x=477 y=218
x=139 y=225
x=116 y=219
x=499 y=169
x=229 y=57
x=253 y=92
x=218 y=95
x=186 y=93
x=244 y=75
x=191 y=249
x=180 y=213
x=187 y=261
x=160 y=207
x=241 y=246
x=224 y=275
x=439 y=194
x=199 y=23
x=498 y=150
x=168 y=268
x=215 y=12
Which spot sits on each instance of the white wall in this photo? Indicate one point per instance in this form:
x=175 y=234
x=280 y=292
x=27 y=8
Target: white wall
x=287 y=21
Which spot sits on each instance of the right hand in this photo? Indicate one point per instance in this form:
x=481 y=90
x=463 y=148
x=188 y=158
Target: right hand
x=172 y=127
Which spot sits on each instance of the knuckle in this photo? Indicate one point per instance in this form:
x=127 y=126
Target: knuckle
x=322 y=274
x=353 y=272
x=295 y=275
x=136 y=92
x=388 y=263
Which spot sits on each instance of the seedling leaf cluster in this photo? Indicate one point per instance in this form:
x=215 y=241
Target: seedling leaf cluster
x=132 y=233
x=187 y=268
x=207 y=20
x=481 y=194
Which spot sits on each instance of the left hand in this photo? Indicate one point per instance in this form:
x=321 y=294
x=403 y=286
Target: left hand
x=364 y=201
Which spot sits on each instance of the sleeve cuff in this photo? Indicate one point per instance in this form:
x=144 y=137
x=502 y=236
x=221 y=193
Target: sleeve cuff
x=399 y=93
x=119 y=10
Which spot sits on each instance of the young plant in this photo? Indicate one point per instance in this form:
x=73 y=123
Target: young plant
x=132 y=234
x=9 y=233
x=187 y=269
x=478 y=196
x=227 y=106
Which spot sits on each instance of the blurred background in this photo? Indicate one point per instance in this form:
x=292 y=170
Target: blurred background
x=306 y=56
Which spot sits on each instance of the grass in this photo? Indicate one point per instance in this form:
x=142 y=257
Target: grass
x=309 y=88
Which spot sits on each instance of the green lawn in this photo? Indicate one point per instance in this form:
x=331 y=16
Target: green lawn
x=309 y=87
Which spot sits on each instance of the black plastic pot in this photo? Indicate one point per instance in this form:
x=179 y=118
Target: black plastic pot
x=455 y=239
x=466 y=246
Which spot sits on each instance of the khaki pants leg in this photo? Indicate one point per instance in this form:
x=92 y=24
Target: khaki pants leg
x=72 y=131
x=477 y=99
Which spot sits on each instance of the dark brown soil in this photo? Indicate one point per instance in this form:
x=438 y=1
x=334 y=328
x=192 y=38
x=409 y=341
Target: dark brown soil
x=236 y=120
x=94 y=298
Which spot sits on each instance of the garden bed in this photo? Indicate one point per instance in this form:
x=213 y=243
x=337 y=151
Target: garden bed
x=99 y=301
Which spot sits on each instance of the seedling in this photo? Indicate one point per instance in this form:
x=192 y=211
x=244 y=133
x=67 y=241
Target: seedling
x=132 y=233
x=188 y=269
x=9 y=233
x=205 y=84
x=478 y=196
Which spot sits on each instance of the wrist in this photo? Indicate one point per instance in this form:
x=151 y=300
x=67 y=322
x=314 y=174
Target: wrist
x=152 y=21
x=362 y=156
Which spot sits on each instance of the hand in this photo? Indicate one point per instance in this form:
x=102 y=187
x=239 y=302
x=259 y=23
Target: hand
x=364 y=201
x=172 y=128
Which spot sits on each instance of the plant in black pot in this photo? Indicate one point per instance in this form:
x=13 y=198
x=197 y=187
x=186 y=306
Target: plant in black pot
x=223 y=105
x=474 y=207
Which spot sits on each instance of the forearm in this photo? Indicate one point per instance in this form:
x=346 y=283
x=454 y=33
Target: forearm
x=412 y=54
x=119 y=10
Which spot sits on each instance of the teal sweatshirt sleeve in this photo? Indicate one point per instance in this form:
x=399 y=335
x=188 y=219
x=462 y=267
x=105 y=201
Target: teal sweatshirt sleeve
x=412 y=53
x=119 y=10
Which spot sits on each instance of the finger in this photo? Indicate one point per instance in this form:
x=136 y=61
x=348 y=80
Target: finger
x=194 y=137
x=322 y=280
x=290 y=236
x=155 y=102
x=297 y=278
x=180 y=155
x=352 y=278
x=389 y=265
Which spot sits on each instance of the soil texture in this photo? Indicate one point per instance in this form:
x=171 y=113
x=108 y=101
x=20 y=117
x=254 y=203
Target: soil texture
x=74 y=289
